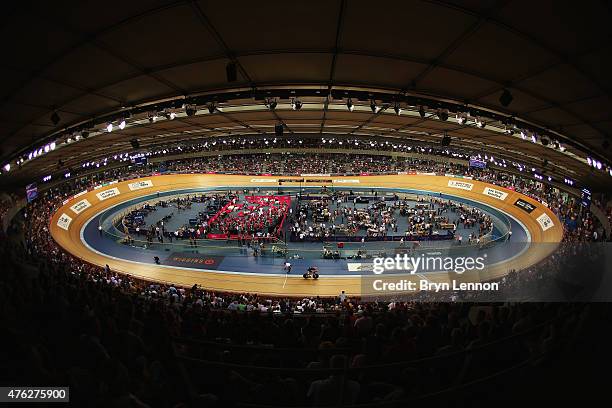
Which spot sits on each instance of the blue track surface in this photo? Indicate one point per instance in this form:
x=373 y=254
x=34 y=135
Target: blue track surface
x=268 y=265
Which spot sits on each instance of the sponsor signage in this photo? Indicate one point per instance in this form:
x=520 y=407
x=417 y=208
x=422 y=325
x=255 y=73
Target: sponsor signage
x=491 y=192
x=545 y=222
x=324 y=181
x=80 y=194
x=259 y=180
x=105 y=184
x=458 y=176
x=64 y=221
x=103 y=195
x=139 y=185
x=346 y=181
x=524 y=205
x=360 y=267
x=199 y=261
x=315 y=175
x=80 y=206
x=420 y=173
x=463 y=185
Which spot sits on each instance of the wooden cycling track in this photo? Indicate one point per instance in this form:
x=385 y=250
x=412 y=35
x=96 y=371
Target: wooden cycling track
x=294 y=285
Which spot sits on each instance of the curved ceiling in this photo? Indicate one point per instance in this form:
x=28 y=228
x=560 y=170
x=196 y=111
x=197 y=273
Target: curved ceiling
x=84 y=60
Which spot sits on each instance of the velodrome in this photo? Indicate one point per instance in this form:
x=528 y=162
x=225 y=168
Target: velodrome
x=278 y=284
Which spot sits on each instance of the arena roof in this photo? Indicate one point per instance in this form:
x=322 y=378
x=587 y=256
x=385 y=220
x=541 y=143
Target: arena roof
x=85 y=61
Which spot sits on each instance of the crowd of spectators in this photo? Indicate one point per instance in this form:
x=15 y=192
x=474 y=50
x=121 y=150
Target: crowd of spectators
x=41 y=244
x=338 y=214
x=119 y=341
x=253 y=215
x=198 y=156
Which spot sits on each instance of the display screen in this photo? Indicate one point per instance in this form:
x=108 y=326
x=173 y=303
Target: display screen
x=478 y=163
x=586 y=198
x=140 y=161
x=31 y=192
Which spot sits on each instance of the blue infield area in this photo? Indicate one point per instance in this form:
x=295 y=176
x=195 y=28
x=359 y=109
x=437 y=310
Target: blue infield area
x=230 y=257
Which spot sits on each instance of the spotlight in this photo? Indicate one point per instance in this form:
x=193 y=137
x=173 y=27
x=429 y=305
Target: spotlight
x=278 y=129
x=55 y=119
x=461 y=119
x=296 y=104
x=534 y=138
x=446 y=140
x=523 y=135
x=480 y=123
x=349 y=104
x=506 y=98
x=7 y=167
x=397 y=109
x=230 y=72
x=109 y=127
x=598 y=165
x=122 y=124
x=211 y=107
x=190 y=110
x=52 y=145
x=374 y=107
x=271 y=103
